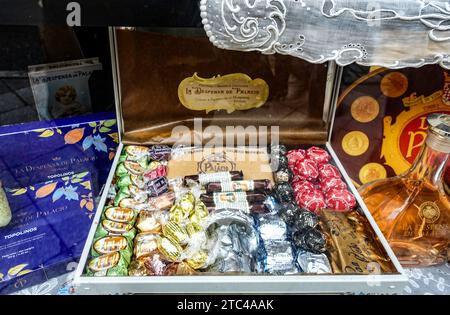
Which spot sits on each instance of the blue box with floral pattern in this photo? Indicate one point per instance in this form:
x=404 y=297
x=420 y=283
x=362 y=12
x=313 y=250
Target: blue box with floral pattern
x=49 y=226
x=39 y=151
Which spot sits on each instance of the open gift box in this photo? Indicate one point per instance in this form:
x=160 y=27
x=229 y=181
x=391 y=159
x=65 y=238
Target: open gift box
x=173 y=87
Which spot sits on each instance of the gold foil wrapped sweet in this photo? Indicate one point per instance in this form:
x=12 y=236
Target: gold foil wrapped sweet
x=198 y=260
x=175 y=232
x=170 y=249
x=137 y=269
x=187 y=203
x=179 y=269
x=177 y=215
x=354 y=249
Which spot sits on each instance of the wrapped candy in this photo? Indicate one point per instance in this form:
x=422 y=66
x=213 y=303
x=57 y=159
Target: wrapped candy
x=304 y=219
x=313 y=263
x=157 y=186
x=278 y=149
x=318 y=155
x=279 y=257
x=310 y=240
x=151 y=221
x=159 y=171
x=272 y=227
x=278 y=162
x=312 y=200
x=294 y=156
x=300 y=186
x=284 y=192
x=332 y=183
x=160 y=152
x=340 y=200
x=306 y=169
x=327 y=171
x=144 y=244
x=170 y=249
x=283 y=175
x=288 y=212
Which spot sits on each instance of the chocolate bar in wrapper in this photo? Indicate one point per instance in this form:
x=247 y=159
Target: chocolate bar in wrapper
x=239 y=185
x=232 y=197
x=244 y=207
x=354 y=246
x=205 y=178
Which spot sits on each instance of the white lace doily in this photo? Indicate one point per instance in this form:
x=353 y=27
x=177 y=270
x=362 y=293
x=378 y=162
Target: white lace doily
x=389 y=33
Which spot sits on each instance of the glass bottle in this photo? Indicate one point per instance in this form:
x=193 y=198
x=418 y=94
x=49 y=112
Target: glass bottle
x=412 y=209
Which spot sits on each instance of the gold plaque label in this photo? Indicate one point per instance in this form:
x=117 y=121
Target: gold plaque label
x=230 y=92
x=429 y=212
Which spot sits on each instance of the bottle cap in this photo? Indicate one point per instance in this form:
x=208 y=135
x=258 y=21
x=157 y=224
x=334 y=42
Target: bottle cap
x=439 y=124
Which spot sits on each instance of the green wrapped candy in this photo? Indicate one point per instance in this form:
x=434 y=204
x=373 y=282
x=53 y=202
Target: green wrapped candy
x=129 y=167
x=113 y=264
x=130 y=179
x=119 y=214
x=113 y=243
x=108 y=227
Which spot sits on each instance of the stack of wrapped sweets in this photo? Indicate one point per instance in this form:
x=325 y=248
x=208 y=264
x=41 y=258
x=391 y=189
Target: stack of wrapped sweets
x=139 y=187
x=303 y=225
x=221 y=223
x=316 y=183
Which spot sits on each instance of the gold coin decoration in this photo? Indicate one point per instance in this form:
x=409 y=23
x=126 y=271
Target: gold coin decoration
x=394 y=84
x=371 y=172
x=365 y=109
x=355 y=143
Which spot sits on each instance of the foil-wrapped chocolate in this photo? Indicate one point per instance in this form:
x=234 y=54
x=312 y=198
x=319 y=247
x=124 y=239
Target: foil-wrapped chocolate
x=283 y=175
x=278 y=149
x=354 y=246
x=288 y=212
x=313 y=263
x=205 y=178
x=239 y=185
x=272 y=227
x=284 y=192
x=280 y=258
x=278 y=162
x=233 y=242
x=310 y=240
x=305 y=219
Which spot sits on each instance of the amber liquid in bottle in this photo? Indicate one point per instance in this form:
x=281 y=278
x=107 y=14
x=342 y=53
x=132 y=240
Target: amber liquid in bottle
x=413 y=210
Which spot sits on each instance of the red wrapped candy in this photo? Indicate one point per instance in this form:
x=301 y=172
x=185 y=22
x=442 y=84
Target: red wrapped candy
x=340 y=200
x=311 y=200
x=317 y=155
x=306 y=169
x=328 y=170
x=294 y=156
x=329 y=183
x=161 y=170
x=302 y=185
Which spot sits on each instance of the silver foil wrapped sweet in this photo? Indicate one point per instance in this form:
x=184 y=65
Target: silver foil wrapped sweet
x=313 y=263
x=280 y=257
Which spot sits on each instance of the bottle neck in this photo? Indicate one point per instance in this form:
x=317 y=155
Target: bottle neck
x=431 y=163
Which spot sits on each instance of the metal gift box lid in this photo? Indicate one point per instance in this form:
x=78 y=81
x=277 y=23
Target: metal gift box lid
x=147 y=69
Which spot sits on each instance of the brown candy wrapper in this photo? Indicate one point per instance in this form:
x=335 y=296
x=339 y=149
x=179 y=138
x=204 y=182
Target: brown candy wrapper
x=179 y=269
x=239 y=185
x=354 y=248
